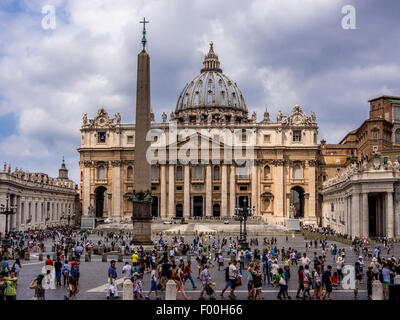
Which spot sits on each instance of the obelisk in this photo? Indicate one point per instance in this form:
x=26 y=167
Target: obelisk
x=142 y=200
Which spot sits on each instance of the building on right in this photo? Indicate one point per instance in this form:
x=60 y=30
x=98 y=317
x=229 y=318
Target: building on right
x=361 y=196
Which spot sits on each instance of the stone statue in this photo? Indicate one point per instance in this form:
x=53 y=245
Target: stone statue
x=365 y=165
x=85 y=119
x=313 y=117
x=280 y=116
x=172 y=116
x=152 y=117
x=254 y=117
x=389 y=165
x=5 y=167
x=118 y=118
x=396 y=166
x=292 y=211
x=164 y=117
x=9 y=168
x=91 y=211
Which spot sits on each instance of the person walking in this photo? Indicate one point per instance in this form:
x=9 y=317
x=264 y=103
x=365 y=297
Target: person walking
x=65 y=270
x=153 y=282
x=281 y=282
x=234 y=278
x=300 y=280
x=17 y=266
x=112 y=291
x=3 y=286
x=187 y=274
x=257 y=282
x=317 y=283
x=58 y=267
x=370 y=278
x=358 y=278
x=36 y=284
x=178 y=278
x=327 y=282
x=11 y=288
x=72 y=289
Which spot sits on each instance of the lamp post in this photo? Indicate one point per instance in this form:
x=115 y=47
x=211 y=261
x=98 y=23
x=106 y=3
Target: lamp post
x=69 y=216
x=8 y=210
x=242 y=213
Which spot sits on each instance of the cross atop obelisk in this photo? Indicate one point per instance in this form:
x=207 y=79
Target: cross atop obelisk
x=144 y=40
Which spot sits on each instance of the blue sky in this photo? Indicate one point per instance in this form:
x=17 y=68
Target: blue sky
x=280 y=53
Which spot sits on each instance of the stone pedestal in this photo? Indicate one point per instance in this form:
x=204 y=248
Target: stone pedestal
x=141 y=219
x=54 y=256
x=120 y=258
x=40 y=256
x=53 y=248
x=170 y=290
x=127 y=290
x=104 y=257
x=377 y=290
x=27 y=256
x=87 y=258
x=293 y=224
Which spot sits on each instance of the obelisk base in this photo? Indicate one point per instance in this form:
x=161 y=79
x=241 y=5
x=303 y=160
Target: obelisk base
x=141 y=219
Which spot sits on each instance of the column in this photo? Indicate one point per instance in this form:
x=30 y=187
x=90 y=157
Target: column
x=224 y=191
x=163 y=199
x=254 y=187
x=311 y=184
x=355 y=209
x=171 y=191
x=364 y=214
x=389 y=215
x=86 y=190
x=279 y=193
x=208 y=211
x=116 y=191
x=232 y=191
x=186 y=192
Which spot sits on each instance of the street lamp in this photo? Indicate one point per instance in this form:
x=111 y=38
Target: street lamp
x=69 y=216
x=242 y=213
x=8 y=210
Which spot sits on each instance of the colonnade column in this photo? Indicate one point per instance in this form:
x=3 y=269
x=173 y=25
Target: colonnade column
x=389 y=215
x=254 y=185
x=186 y=192
x=364 y=215
x=355 y=209
x=208 y=211
x=224 y=192
x=163 y=198
x=232 y=191
x=171 y=191
x=115 y=202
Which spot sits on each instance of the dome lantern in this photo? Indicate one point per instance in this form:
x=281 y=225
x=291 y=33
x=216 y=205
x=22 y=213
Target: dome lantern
x=211 y=62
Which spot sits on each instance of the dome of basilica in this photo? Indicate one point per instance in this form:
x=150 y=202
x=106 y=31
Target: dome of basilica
x=211 y=89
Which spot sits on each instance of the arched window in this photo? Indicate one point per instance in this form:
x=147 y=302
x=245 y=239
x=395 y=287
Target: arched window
x=267 y=172
x=397 y=135
x=216 y=173
x=154 y=173
x=198 y=173
x=129 y=172
x=101 y=173
x=179 y=175
x=296 y=172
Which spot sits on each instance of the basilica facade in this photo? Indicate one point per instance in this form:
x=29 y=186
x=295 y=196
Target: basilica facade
x=282 y=180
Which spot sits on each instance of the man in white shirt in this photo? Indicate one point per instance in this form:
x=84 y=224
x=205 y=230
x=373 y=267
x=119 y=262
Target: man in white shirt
x=305 y=261
x=233 y=273
x=127 y=271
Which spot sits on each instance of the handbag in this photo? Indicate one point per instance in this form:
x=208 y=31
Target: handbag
x=282 y=281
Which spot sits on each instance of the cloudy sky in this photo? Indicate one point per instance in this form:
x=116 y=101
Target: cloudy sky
x=280 y=53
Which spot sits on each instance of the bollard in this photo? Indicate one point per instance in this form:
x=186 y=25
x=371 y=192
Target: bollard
x=40 y=256
x=104 y=257
x=87 y=259
x=377 y=290
x=53 y=248
x=27 y=256
x=397 y=279
x=120 y=258
x=127 y=290
x=170 y=291
x=54 y=256
x=44 y=249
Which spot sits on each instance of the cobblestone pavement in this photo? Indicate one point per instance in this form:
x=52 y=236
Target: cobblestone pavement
x=93 y=275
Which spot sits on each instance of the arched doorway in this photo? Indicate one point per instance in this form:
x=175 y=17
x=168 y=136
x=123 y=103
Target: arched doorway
x=216 y=211
x=101 y=201
x=297 y=199
x=179 y=211
x=198 y=206
x=154 y=207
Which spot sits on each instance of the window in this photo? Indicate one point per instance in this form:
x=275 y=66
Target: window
x=129 y=172
x=297 y=136
x=397 y=135
x=153 y=188
x=332 y=207
x=179 y=188
x=296 y=172
x=243 y=188
x=396 y=113
x=198 y=173
x=385 y=160
x=101 y=173
x=216 y=188
x=154 y=173
x=130 y=139
x=375 y=134
x=101 y=137
x=324 y=178
x=267 y=172
x=179 y=174
x=216 y=173
x=267 y=138
x=242 y=172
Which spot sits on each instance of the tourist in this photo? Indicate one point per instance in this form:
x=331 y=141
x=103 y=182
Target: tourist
x=137 y=286
x=65 y=270
x=370 y=279
x=178 y=278
x=127 y=271
x=228 y=282
x=58 y=267
x=75 y=271
x=17 y=266
x=11 y=288
x=112 y=291
x=358 y=278
x=187 y=274
x=386 y=275
x=257 y=282
x=39 y=290
x=153 y=283
x=165 y=273
x=317 y=283
x=234 y=278
x=339 y=267
x=5 y=267
x=250 y=285
x=3 y=286
x=300 y=279
x=327 y=282
x=281 y=282
x=206 y=282
x=306 y=282
x=72 y=289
